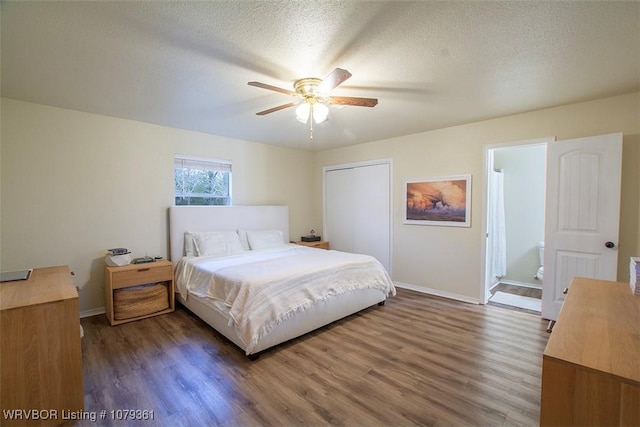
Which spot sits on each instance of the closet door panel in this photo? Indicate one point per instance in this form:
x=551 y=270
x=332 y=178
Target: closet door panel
x=372 y=223
x=357 y=210
x=338 y=209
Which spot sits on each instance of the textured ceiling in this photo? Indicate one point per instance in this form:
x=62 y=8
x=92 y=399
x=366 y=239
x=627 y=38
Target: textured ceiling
x=430 y=64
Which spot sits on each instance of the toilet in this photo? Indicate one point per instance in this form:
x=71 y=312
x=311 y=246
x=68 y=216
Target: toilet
x=540 y=272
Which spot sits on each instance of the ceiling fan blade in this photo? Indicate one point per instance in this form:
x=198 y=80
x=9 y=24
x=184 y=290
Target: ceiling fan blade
x=274 y=88
x=334 y=78
x=356 y=102
x=274 y=109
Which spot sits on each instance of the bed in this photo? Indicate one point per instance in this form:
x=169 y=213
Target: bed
x=235 y=269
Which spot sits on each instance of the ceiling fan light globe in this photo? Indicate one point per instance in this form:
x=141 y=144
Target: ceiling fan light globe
x=320 y=112
x=302 y=112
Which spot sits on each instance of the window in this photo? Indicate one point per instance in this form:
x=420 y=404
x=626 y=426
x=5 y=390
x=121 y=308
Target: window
x=201 y=181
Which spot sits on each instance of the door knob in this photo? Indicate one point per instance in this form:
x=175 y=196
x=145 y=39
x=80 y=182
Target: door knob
x=610 y=245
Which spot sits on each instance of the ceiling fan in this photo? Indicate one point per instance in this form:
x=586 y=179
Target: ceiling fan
x=313 y=97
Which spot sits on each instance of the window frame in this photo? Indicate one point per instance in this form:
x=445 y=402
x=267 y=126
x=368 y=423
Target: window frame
x=211 y=165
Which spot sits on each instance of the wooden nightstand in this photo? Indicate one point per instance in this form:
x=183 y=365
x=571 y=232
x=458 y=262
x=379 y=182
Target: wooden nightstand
x=139 y=300
x=319 y=244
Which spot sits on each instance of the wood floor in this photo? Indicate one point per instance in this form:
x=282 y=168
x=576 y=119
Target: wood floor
x=418 y=360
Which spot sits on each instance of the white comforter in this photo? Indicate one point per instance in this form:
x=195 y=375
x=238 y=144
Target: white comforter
x=260 y=289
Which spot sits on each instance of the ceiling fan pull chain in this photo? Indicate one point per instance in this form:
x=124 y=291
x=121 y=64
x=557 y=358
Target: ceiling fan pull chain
x=311 y=122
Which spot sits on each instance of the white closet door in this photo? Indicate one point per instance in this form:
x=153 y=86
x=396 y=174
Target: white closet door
x=358 y=210
x=339 y=219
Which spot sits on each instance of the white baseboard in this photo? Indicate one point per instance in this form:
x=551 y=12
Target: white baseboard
x=437 y=293
x=92 y=312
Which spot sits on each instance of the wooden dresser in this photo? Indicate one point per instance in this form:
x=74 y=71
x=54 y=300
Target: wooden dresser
x=591 y=365
x=41 y=354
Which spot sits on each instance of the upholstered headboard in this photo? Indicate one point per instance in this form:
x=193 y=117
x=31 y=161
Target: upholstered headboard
x=217 y=218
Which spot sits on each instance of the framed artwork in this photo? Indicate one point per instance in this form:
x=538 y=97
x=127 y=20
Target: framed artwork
x=444 y=201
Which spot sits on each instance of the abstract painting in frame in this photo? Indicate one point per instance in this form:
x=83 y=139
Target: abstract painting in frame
x=444 y=201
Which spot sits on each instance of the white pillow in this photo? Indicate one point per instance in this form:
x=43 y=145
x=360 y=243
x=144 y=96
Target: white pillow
x=189 y=246
x=243 y=239
x=265 y=239
x=217 y=243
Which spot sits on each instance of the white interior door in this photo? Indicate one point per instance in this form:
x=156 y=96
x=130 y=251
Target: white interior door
x=358 y=210
x=582 y=214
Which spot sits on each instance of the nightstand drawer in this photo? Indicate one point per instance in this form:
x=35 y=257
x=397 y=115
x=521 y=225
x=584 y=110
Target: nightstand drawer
x=141 y=275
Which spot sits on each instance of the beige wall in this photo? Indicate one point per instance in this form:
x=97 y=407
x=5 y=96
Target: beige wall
x=75 y=184
x=448 y=260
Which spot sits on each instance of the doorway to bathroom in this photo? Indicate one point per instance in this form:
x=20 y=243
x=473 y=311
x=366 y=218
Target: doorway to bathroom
x=515 y=202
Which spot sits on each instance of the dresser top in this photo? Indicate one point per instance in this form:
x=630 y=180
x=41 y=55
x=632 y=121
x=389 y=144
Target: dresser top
x=599 y=328
x=44 y=285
